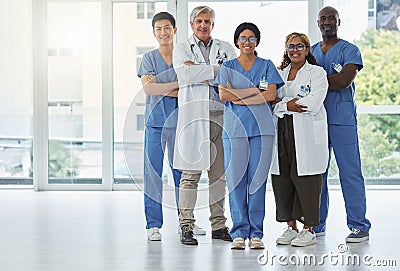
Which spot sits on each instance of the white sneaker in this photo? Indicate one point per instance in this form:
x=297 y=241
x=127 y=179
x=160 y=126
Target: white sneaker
x=287 y=236
x=197 y=230
x=256 y=243
x=154 y=234
x=238 y=243
x=304 y=238
x=320 y=234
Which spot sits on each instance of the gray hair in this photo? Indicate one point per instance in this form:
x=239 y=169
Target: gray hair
x=201 y=9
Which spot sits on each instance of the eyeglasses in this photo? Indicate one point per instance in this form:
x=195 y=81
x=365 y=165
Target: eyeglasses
x=298 y=46
x=251 y=39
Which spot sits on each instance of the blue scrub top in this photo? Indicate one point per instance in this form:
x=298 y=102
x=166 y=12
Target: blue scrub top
x=340 y=106
x=251 y=120
x=161 y=111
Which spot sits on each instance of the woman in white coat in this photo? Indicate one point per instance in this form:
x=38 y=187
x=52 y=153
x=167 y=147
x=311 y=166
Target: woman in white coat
x=302 y=141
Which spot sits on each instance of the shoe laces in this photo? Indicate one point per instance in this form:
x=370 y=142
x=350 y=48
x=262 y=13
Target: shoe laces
x=287 y=232
x=188 y=228
x=303 y=233
x=355 y=231
x=154 y=230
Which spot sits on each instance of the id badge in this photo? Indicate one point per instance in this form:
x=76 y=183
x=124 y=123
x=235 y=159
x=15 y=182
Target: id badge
x=337 y=67
x=304 y=91
x=263 y=83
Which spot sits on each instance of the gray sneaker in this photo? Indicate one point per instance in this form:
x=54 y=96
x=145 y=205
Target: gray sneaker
x=256 y=243
x=238 y=243
x=287 y=236
x=304 y=238
x=357 y=236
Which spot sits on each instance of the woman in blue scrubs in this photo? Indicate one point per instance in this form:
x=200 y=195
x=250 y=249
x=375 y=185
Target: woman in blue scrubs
x=246 y=85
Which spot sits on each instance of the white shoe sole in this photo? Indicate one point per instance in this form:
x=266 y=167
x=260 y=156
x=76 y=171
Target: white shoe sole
x=257 y=246
x=357 y=240
x=198 y=231
x=154 y=238
x=282 y=242
x=238 y=246
x=312 y=242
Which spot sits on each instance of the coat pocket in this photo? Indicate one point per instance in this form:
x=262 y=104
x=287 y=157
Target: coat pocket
x=320 y=132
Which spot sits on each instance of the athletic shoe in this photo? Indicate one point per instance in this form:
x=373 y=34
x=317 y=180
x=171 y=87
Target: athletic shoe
x=287 y=236
x=320 y=234
x=238 y=243
x=304 y=238
x=154 y=234
x=197 y=230
x=357 y=236
x=256 y=243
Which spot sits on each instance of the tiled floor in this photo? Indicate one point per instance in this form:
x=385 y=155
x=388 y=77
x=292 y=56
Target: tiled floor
x=70 y=231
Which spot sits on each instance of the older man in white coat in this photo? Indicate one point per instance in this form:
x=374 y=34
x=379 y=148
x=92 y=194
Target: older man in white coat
x=200 y=119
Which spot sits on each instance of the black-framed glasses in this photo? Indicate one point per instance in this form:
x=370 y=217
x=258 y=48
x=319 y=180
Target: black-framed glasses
x=299 y=47
x=251 y=39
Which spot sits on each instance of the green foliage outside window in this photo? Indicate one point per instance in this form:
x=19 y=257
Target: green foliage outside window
x=62 y=163
x=378 y=83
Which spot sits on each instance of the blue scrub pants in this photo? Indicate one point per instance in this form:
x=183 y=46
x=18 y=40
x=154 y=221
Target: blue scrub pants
x=155 y=140
x=344 y=142
x=247 y=163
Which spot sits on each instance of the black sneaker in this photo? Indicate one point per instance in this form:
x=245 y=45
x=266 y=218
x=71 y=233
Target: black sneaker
x=187 y=237
x=357 y=236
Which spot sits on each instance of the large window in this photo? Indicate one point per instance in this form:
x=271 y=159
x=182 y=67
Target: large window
x=16 y=106
x=145 y=10
x=132 y=38
x=88 y=103
x=74 y=93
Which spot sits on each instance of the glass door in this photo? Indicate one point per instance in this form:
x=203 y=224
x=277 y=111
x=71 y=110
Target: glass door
x=72 y=95
x=74 y=92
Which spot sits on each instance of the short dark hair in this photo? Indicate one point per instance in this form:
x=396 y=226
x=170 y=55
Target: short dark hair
x=163 y=16
x=243 y=26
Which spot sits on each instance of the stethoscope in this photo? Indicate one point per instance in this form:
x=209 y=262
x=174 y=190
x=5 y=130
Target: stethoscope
x=219 y=57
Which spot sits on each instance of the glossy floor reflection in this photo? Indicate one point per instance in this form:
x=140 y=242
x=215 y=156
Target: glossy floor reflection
x=57 y=231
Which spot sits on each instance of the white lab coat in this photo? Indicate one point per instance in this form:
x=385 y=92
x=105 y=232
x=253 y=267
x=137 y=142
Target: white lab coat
x=192 y=147
x=310 y=128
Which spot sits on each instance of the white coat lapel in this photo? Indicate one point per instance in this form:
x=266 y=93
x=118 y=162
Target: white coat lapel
x=214 y=52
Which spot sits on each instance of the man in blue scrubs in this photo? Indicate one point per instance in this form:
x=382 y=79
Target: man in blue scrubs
x=160 y=84
x=342 y=61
